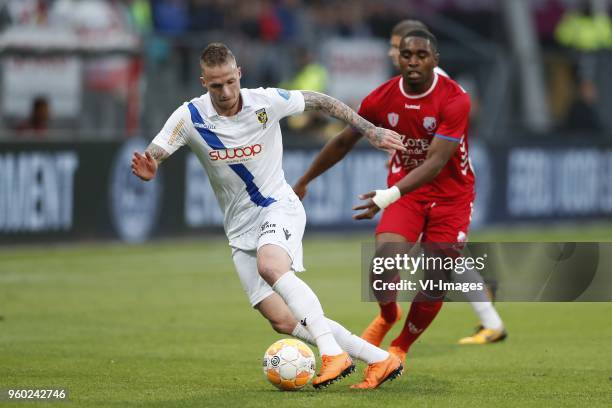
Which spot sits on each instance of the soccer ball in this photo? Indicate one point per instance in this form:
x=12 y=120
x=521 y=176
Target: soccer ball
x=289 y=364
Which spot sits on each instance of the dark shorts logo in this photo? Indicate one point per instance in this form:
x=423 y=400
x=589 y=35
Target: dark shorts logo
x=267 y=228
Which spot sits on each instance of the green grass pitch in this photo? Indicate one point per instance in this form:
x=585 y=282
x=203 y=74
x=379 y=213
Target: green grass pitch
x=167 y=324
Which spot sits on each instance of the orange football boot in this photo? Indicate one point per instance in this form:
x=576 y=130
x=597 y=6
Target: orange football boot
x=378 y=329
x=333 y=368
x=378 y=373
x=398 y=352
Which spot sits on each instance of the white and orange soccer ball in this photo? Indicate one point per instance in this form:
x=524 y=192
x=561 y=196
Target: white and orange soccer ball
x=289 y=364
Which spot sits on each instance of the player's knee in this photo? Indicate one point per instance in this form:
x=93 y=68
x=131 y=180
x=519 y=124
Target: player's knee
x=387 y=250
x=269 y=272
x=272 y=262
x=438 y=280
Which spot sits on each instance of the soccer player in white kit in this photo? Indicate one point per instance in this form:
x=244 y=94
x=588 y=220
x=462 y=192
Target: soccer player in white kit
x=235 y=134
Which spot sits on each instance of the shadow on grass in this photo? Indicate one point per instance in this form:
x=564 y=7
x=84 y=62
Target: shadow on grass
x=265 y=395
x=408 y=384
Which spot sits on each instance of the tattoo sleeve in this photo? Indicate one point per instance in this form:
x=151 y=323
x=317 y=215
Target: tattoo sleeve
x=157 y=153
x=336 y=109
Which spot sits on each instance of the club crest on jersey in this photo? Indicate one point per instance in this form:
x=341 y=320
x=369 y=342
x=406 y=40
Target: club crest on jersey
x=429 y=123
x=393 y=118
x=262 y=116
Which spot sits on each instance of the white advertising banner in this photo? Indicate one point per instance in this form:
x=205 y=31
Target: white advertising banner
x=26 y=75
x=56 y=78
x=355 y=67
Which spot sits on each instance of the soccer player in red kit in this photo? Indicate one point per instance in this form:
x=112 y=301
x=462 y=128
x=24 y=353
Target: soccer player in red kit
x=491 y=328
x=431 y=186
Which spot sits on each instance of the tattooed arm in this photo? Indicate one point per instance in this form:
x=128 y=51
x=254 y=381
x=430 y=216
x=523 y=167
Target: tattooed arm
x=381 y=138
x=145 y=165
x=157 y=153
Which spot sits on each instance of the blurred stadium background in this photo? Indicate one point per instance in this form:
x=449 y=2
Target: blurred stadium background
x=84 y=83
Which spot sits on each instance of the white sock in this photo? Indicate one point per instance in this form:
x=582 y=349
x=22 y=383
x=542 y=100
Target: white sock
x=357 y=347
x=306 y=307
x=489 y=318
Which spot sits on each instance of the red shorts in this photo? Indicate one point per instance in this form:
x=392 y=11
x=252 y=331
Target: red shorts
x=432 y=221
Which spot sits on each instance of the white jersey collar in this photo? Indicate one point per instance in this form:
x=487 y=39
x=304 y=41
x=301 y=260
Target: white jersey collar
x=430 y=90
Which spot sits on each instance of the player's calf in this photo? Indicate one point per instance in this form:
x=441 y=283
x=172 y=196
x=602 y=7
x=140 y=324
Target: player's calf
x=275 y=310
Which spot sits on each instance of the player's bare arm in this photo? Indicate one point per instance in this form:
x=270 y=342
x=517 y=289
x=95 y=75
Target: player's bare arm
x=157 y=153
x=333 y=151
x=145 y=165
x=438 y=155
x=379 y=137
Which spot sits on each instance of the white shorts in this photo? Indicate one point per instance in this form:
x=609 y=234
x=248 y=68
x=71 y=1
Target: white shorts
x=281 y=224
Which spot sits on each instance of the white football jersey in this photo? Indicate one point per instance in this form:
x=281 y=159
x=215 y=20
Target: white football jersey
x=242 y=154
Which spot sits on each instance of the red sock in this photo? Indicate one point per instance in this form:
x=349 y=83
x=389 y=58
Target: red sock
x=388 y=311
x=422 y=312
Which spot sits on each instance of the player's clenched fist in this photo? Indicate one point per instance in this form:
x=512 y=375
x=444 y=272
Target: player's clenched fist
x=385 y=139
x=144 y=166
x=300 y=189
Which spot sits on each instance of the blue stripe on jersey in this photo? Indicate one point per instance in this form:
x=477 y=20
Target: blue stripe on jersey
x=209 y=137
x=452 y=139
x=245 y=175
x=251 y=187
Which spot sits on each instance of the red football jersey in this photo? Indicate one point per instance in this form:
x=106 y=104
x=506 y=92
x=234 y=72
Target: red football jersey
x=443 y=111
